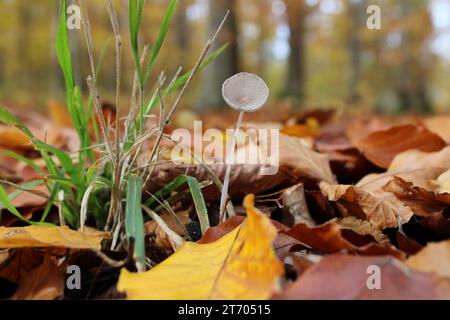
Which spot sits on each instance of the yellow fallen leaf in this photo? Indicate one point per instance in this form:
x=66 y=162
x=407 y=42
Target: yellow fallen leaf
x=435 y=257
x=59 y=114
x=240 y=265
x=49 y=237
x=14 y=138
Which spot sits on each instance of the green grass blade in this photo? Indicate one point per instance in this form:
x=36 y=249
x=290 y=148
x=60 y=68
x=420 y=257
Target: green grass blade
x=134 y=221
x=5 y=202
x=49 y=204
x=167 y=189
x=66 y=161
x=197 y=197
x=64 y=158
x=199 y=203
x=27 y=185
x=164 y=28
x=63 y=54
x=89 y=112
x=182 y=80
x=135 y=8
x=63 y=181
x=7 y=117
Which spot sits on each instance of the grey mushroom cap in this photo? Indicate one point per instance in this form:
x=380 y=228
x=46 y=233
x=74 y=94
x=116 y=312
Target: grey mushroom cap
x=245 y=92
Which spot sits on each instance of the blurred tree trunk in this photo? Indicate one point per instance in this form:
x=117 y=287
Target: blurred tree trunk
x=2 y=66
x=265 y=33
x=296 y=14
x=224 y=65
x=412 y=81
x=355 y=11
x=24 y=18
x=181 y=25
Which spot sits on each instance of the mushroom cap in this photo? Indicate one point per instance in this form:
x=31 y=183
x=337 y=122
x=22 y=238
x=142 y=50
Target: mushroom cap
x=245 y=92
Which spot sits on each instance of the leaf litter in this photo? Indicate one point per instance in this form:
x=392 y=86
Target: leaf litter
x=396 y=216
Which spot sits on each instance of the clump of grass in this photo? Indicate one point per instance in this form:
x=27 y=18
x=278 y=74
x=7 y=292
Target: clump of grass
x=106 y=186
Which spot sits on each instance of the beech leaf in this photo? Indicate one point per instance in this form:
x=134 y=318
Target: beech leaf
x=50 y=237
x=240 y=265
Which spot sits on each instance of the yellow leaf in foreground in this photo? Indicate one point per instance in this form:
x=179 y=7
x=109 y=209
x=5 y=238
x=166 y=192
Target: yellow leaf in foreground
x=49 y=237
x=240 y=265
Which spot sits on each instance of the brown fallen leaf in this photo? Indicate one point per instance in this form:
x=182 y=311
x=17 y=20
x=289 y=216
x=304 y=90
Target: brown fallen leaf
x=49 y=237
x=319 y=206
x=19 y=261
x=362 y=227
x=38 y=197
x=332 y=237
x=440 y=125
x=434 y=257
x=332 y=138
x=422 y=177
x=416 y=159
x=381 y=147
x=294 y=207
x=45 y=282
x=359 y=128
x=388 y=184
x=217 y=232
x=346 y=277
x=379 y=207
x=406 y=244
x=303 y=161
x=161 y=239
x=421 y=201
x=437 y=224
x=296 y=160
x=243 y=180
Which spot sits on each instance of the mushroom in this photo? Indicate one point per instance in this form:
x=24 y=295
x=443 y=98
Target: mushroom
x=244 y=92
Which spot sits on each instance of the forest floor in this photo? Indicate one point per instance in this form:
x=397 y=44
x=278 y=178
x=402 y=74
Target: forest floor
x=359 y=208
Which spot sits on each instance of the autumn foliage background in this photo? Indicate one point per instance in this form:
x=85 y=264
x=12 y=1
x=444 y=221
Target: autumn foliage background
x=364 y=155
x=320 y=52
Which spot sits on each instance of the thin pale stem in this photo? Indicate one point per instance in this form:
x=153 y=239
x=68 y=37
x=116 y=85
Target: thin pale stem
x=229 y=160
x=101 y=119
x=115 y=26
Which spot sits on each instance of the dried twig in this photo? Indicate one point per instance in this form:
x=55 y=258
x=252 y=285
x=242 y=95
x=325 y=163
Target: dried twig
x=99 y=114
x=115 y=25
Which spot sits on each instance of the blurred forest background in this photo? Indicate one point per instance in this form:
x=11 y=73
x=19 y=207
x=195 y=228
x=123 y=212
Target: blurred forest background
x=316 y=53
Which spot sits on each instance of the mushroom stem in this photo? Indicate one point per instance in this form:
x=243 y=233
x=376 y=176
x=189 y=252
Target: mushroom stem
x=229 y=159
